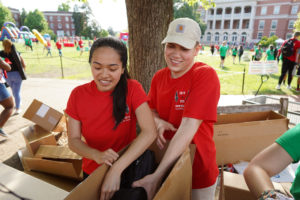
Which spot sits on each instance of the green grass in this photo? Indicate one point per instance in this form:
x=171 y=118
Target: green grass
x=77 y=67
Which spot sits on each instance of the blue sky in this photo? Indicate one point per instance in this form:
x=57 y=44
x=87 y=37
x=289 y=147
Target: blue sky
x=109 y=13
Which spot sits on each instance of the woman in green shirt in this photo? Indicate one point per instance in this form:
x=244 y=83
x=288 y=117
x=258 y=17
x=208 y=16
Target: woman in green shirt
x=223 y=51
x=234 y=52
x=270 y=53
x=270 y=162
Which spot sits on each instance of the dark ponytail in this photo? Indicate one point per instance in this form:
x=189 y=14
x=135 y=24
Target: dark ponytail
x=120 y=92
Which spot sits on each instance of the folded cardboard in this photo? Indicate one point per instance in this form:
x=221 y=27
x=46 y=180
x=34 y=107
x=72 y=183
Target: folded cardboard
x=60 y=162
x=64 y=183
x=35 y=136
x=239 y=137
x=43 y=115
x=177 y=185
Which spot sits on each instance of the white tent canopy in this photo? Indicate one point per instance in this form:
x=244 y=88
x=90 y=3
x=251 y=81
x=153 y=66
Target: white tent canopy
x=279 y=40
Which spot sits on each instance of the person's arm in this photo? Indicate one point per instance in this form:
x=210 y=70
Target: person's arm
x=4 y=65
x=177 y=146
x=81 y=148
x=266 y=164
x=23 y=63
x=297 y=56
x=137 y=147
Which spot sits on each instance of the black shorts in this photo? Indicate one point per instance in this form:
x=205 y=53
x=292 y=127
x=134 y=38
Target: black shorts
x=222 y=57
x=233 y=55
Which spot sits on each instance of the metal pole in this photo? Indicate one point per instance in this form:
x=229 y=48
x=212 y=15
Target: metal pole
x=243 y=79
x=61 y=66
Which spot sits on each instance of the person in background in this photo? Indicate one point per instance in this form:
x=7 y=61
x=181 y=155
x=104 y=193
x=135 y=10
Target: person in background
x=108 y=121
x=234 y=52
x=184 y=106
x=212 y=49
x=241 y=52
x=80 y=44
x=28 y=43
x=6 y=100
x=49 y=47
x=270 y=162
x=223 y=52
x=14 y=78
x=288 y=63
x=270 y=53
x=258 y=52
x=58 y=46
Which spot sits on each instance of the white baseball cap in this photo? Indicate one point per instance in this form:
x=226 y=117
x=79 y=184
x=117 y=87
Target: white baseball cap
x=183 y=31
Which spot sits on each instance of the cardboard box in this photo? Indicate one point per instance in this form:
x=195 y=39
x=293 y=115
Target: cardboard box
x=240 y=137
x=177 y=185
x=43 y=115
x=35 y=136
x=54 y=160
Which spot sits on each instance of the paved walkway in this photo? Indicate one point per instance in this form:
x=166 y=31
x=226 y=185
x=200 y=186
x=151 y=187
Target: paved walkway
x=55 y=93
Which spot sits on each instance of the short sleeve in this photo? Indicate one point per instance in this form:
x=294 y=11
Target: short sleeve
x=138 y=95
x=71 y=109
x=153 y=93
x=204 y=95
x=290 y=141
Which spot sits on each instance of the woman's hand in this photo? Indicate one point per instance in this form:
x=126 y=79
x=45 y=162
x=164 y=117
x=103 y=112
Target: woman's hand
x=106 y=157
x=162 y=126
x=150 y=183
x=110 y=185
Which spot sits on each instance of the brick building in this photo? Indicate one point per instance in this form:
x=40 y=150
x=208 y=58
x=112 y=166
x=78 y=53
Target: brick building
x=62 y=23
x=240 y=21
x=16 y=15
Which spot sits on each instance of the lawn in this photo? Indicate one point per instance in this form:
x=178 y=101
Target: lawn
x=77 y=67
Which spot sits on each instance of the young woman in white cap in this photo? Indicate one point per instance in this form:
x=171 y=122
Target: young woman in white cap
x=183 y=98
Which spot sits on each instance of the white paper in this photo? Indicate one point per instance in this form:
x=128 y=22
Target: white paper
x=42 y=111
x=261 y=68
x=287 y=175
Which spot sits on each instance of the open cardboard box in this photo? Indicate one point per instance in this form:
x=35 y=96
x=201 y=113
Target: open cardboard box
x=239 y=137
x=54 y=160
x=43 y=115
x=35 y=136
x=177 y=185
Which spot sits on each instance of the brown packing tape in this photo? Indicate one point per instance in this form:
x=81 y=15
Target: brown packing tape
x=56 y=152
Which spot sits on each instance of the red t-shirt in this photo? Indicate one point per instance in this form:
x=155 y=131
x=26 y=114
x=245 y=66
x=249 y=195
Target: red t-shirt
x=80 y=43
x=194 y=95
x=296 y=46
x=94 y=110
x=58 y=45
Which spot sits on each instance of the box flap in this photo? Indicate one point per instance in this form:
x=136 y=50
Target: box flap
x=243 y=140
x=56 y=152
x=43 y=115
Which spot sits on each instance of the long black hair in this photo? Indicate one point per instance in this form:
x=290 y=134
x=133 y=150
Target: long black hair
x=120 y=92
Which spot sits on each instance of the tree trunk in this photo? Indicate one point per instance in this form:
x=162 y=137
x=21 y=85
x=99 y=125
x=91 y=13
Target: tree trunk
x=148 y=22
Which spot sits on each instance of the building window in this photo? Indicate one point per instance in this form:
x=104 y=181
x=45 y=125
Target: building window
x=68 y=33
x=208 y=37
x=274 y=24
x=261 y=25
x=225 y=37
x=276 y=10
x=51 y=25
x=67 y=26
x=291 y=24
x=259 y=35
x=73 y=26
x=294 y=10
x=51 y=18
x=244 y=37
x=59 y=25
x=289 y=36
x=217 y=37
x=58 y=18
x=16 y=16
x=263 y=10
x=72 y=19
x=73 y=33
x=66 y=19
x=234 y=37
x=272 y=33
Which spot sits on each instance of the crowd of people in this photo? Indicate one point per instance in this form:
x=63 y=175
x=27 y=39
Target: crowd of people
x=180 y=107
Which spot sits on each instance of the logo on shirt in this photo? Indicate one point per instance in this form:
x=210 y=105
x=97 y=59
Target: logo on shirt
x=127 y=115
x=180 y=98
